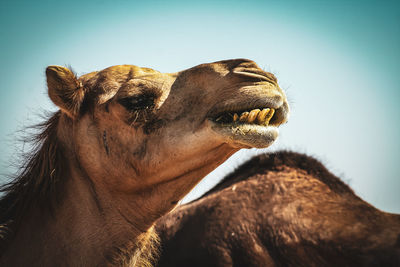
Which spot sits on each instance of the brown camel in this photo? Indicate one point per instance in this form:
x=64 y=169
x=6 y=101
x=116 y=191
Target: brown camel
x=283 y=209
x=126 y=145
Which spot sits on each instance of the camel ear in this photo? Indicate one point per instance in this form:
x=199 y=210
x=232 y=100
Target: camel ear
x=65 y=90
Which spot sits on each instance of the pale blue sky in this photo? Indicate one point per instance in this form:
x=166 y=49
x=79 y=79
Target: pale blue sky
x=337 y=60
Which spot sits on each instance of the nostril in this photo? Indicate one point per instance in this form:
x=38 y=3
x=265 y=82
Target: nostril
x=246 y=63
x=239 y=63
x=253 y=72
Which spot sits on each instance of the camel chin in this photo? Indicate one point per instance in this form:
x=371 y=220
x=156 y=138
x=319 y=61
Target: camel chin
x=247 y=135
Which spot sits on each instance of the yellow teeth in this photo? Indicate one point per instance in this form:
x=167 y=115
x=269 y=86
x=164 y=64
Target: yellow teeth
x=243 y=116
x=254 y=116
x=269 y=116
x=262 y=115
x=235 y=117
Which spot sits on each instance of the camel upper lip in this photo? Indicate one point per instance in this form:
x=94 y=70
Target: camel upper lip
x=247 y=104
x=260 y=100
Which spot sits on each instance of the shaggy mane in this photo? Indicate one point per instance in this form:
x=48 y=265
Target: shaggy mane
x=273 y=161
x=38 y=180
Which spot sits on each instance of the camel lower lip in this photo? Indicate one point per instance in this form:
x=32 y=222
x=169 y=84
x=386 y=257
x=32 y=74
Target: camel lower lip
x=247 y=135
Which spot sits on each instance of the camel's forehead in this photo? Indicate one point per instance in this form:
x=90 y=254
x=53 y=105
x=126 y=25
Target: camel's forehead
x=108 y=82
x=127 y=71
x=118 y=73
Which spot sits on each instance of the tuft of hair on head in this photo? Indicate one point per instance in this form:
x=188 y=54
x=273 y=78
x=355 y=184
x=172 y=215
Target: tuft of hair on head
x=65 y=90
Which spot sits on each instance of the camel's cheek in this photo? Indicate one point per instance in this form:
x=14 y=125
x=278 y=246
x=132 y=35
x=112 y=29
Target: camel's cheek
x=111 y=155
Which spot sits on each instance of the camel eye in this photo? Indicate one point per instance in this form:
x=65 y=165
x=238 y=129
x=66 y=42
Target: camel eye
x=138 y=102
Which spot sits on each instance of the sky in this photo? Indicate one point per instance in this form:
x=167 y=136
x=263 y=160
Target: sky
x=338 y=62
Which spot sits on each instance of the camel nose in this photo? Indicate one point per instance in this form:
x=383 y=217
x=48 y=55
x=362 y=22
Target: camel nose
x=250 y=71
x=231 y=64
x=245 y=63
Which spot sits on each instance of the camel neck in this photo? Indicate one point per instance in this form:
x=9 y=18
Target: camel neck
x=83 y=230
x=93 y=225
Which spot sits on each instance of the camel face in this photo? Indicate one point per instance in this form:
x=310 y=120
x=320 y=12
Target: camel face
x=241 y=103
x=135 y=123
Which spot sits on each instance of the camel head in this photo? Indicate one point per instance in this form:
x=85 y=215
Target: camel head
x=131 y=128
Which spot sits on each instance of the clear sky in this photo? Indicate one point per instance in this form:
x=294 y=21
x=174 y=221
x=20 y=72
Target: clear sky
x=338 y=61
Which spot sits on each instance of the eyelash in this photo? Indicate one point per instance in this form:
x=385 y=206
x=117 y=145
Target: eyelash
x=138 y=102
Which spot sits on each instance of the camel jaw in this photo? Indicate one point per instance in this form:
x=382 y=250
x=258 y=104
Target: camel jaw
x=246 y=135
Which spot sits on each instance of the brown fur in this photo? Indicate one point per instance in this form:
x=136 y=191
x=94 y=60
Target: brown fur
x=40 y=180
x=280 y=209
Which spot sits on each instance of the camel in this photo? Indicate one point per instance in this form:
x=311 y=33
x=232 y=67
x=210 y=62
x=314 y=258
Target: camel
x=126 y=145
x=279 y=209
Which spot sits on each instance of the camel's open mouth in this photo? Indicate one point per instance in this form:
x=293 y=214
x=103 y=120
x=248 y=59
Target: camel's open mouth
x=258 y=116
x=255 y=127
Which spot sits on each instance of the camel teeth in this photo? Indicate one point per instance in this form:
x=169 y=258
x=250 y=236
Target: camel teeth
x=252 y=115
x=269 y=116
x=243 y=116
x=235 y=117
x=261 y=116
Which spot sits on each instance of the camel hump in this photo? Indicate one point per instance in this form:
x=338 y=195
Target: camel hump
x=64 y=89
x=273 y=162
